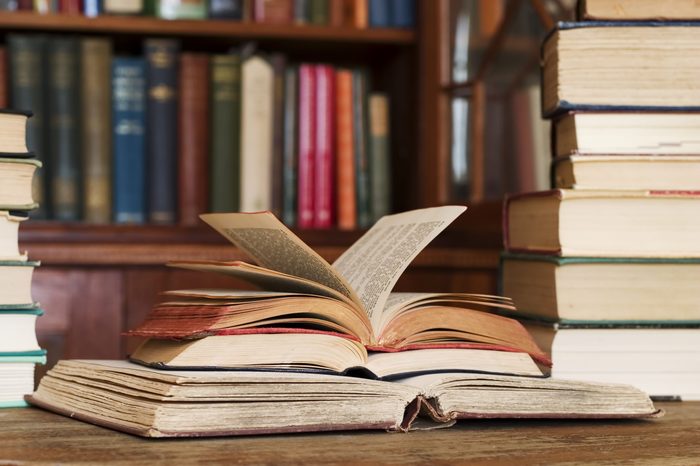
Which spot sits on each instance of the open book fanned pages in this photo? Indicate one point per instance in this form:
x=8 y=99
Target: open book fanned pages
x=156 y=403
x=314 y=316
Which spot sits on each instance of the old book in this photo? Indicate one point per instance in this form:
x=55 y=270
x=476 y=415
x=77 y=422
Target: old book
x=129 y=139
x=627 y=133
x=17 y=377
x=380 y=155
x=273 y=11
x=162 y=57
x=225 y=136
x=290 y=154
x=602 y=289
x=601 y=65
x=226 y=9
x=16 y=176
x=324 y=162
x=181 y=9
x=16 y=283
x=193 y=133
x=662 y=360
x=17 y=331
x=599 y=223
x=345 y=150
x=13 y=136
x=635 y=10
x=27 y=67
x=9 y=235
x=153 y=403
x=95 y=75
x=257 y=91
x=307 y=146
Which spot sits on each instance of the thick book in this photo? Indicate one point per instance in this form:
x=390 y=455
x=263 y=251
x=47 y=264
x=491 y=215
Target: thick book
x=602 y=289
x=290 y=155
x=380 y=155
x=225 y=137
x=626 y=133
x=9 y=235
x=636 y=10
x=16 y=175
x=63 y=78
x=325 y=157
x=345 y=151
x=13 y=140
x=600 y=223
x=307 y=146
x=181 y=9
x=129 y=139
x=273 y=11
x=226 y=9
x=17 y=377
x=162 y=57
x=27 y=65
x=662 y=360
x=153 y=403
x=257 y=91
x=17 y=331
x=193 y=137
x=95 y=76
x=601 y=66
x=16 y=284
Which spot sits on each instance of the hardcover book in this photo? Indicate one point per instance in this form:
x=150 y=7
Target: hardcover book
x=635 y=10
x=345 y=150
x=17 y=377
x=181 y=9
x=16 y=284
x=13 y=140
x=362 y=148
x=153 y=403
x=290 y=154
x=17 y=331
x=16 y=175
x=226 y=9
x=380 y=163
x=273 y=11
x=324 y=162
x=307 y=146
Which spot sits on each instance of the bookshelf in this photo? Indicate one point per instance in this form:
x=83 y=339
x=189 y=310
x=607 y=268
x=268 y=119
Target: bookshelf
x=98 y=280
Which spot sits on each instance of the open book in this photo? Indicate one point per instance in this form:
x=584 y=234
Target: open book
x=154 y=403
x=317 y=315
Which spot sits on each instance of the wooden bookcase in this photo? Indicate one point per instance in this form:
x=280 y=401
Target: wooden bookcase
x=97 y=281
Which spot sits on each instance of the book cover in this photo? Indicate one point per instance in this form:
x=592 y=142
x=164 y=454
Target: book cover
x=324 y=163
x=362 y=160
x=380 y=155
x=345 y=148
x=27 y=68
x=307 y=146
x=224 y=185
x=290 y=155
x=64 y=128
x=181 y=9
x=162 y=56
x=129 y=139
x=273 y=11
x=226 y=9
x=193 y=134
x=96 y=75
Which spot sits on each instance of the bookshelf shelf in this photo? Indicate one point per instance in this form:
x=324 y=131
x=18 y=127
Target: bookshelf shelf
x=142 y=26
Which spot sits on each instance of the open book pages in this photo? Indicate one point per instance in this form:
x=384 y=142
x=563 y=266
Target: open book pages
x=153 y=403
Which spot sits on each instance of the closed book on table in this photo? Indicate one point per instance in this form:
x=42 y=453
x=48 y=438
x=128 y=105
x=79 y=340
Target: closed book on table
x=161 y=139
x=129 y=139
x=291 y=158
x=226 y=9
x=345 y=149
x=307 y=146
x=225 y=173
x=324 y=165
x=380 y=163
x=96 y=75
x=193 y=133
x=257 y=90
x=64 y=128
x=27 y=67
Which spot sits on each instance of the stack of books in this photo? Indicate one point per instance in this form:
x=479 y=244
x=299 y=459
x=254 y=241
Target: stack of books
x=609 y=261
x=19 y=349
x=324 y=347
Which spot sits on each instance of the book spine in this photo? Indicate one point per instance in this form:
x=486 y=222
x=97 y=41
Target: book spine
x=324 y=170
x=360 y=13
x=64 y=127
x=96 y=129
x=347 y=206
x=42 y=6
x=25 y=5
x=224 y=193
x=278 y=66
x=92 y=8
x=128 y=139
x=226 y=9
x=181 y=9
x=291 y=109
x=4 y=85
x=273 y=11
x=161 y=141
x=403 y=12
x=193 y=125
x=257 y=85
x=379 y=15
x=336 y=13
x=380 y=165
x=318 y=12
x=69 y=7
x=8 y=5
x=307 y=150
x=123 y=7
x=301 y=11
x=27 y=69
x=359 y=95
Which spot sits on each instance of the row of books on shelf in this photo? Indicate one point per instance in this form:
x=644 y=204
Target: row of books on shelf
x=165 y=137
x=606 y=265
x=355 y=13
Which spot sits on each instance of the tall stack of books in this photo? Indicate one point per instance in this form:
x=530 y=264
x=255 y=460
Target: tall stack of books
x=609 y=261
x=19 y=350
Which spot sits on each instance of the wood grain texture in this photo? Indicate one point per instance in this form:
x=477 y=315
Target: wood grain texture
x=30 y=435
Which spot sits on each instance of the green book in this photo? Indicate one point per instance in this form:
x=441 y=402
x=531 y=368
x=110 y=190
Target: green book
x=290 y=155
x=225 y=133
x=181 y=9
x=362 y=167
x=380 y=163
x=318 y=12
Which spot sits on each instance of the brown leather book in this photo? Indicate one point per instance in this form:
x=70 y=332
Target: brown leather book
x=193 y=122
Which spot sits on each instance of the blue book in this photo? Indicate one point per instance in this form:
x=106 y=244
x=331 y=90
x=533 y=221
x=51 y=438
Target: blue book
x=403 y=13
x=92 y=8
x=128 y=139
x=226 y=9
x=379 y=13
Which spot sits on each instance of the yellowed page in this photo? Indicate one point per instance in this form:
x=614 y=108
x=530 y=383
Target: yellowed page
x=376 y=261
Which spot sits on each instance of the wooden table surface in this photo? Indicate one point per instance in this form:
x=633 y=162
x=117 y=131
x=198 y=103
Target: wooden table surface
x=31 y=436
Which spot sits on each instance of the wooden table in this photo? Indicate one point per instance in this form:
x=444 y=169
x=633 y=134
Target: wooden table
x=34 y=436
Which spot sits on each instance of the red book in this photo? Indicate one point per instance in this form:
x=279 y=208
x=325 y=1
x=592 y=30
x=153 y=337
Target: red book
x=3 y=77
x=26 y=5
x=71 y=7
x=307 y=146
x=273 y=11
x=193 y=122
x=324 y=170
